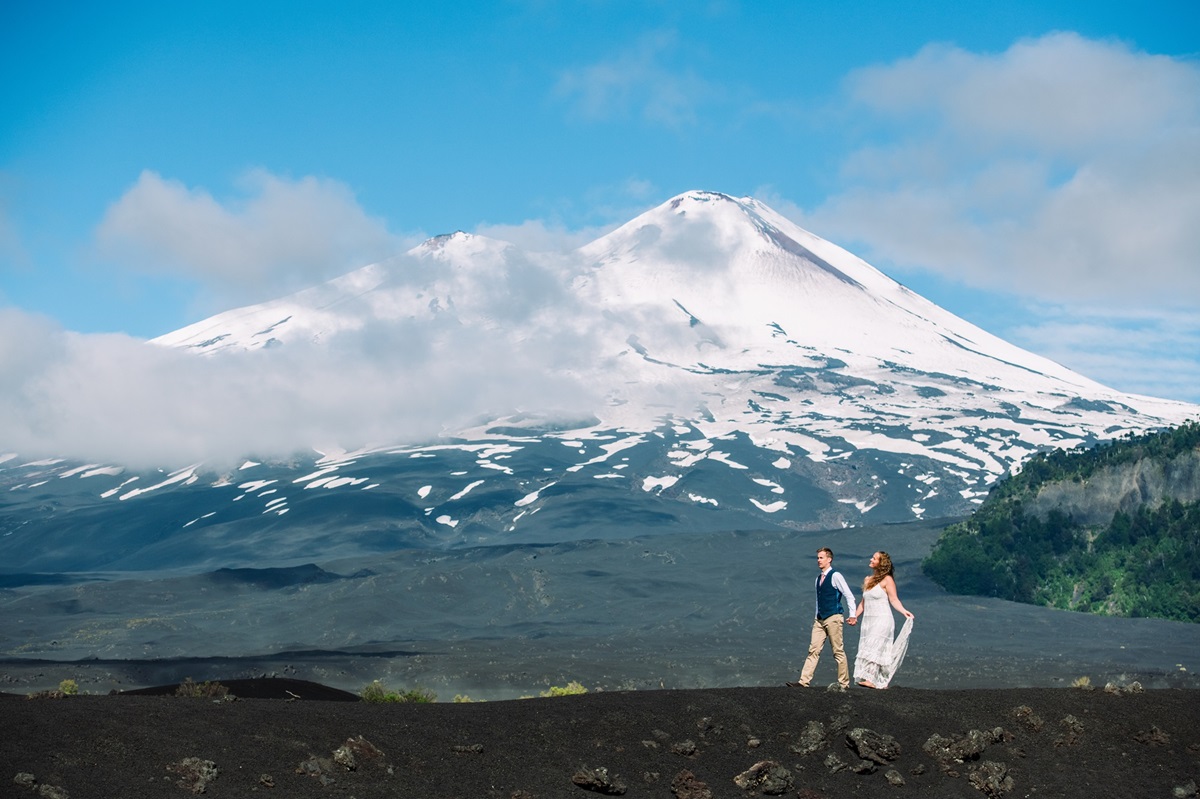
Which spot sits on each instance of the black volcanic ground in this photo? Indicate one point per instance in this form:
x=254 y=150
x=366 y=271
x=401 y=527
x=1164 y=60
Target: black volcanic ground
x=714 y=610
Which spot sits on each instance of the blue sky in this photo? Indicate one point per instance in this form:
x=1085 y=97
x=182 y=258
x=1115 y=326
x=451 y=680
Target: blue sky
x=1031 y=166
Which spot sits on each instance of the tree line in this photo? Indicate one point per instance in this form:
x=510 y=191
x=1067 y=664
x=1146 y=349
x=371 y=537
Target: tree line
x=1144 y=563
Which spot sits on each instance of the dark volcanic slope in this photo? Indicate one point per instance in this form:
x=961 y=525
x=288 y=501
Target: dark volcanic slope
x=1044 y=742
x=673 y=611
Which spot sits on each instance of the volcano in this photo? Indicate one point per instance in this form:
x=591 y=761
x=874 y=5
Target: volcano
x=707 y=366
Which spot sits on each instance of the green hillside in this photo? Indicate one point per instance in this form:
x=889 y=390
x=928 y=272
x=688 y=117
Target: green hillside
x=1142 y=558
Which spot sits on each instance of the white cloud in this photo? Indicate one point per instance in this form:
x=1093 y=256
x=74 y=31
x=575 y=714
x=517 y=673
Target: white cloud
x=279 y=234
x=1058 y=93
x=1144 y=353
x=116 y=399
x=610 y=205
x=1062 y=168
x=1065 y=171
x=637 y=82
x=538 y=235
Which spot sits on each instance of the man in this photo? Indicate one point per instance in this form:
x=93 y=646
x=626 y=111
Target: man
x=834 y=599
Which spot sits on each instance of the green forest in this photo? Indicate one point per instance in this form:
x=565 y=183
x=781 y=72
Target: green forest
x=1143 y=564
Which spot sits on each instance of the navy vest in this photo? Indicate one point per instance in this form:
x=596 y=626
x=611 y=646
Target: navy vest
x=829 y=599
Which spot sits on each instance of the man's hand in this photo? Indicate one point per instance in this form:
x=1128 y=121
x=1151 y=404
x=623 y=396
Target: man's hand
x=853 y=620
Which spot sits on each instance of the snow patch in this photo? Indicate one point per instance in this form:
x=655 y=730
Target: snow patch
x=466 y=490
x=531 y=498
x=651 y=483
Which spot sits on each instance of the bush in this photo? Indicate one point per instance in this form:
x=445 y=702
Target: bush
x=570 y=689
x=65 y=688
x=204 y=690
x=378 y=693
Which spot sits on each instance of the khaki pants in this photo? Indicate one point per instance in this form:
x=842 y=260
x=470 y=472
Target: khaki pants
x=829 y=627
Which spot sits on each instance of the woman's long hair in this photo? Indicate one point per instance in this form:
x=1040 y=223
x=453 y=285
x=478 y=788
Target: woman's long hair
x=883 y=569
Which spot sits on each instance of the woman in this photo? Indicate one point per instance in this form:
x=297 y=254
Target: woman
x=878 y=655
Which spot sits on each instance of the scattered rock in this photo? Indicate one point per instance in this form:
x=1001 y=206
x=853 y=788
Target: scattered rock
x=598 y=780
x=26 y=780
x=266 y=780
x=753 y=743
x=686 y=786
x=1187 y=791
x=1153 y=737
x=1026 y=716
x=318 y=768
x=353 y=750
x=835 y=763
x=1072 y=729
x=840 y=720
x=874 y=746
x=991 y=778
x=895 y=778
x=684 y=748
x=467 y=749
x=766 y=776
x=1134 y=687
x=865 y=767
x=959 y=748
x=194 y=774
x=812 y=739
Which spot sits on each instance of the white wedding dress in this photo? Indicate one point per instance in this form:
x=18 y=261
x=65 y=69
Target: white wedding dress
x=879 y=656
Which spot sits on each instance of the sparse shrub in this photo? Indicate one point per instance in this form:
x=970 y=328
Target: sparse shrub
x=204 y=690
x=378 y=693
x=570 y=689
x=1083 y=682
x=460 y=698
x=69 y=687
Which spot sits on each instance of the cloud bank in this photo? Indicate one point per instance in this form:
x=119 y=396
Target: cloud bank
x=278 y=235
x=1062 y=168
x=639 y=82
x=1063 y=173
x=117 y=399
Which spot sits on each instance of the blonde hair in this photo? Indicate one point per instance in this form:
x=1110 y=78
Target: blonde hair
x=883 y=569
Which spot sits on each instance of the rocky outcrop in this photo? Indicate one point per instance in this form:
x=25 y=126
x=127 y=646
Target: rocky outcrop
x=1123 y=488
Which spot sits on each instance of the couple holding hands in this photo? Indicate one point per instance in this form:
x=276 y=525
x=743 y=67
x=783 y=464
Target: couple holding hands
x=879 y=656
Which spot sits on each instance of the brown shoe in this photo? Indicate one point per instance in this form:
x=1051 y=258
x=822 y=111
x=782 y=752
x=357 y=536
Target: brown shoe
x=795 y=685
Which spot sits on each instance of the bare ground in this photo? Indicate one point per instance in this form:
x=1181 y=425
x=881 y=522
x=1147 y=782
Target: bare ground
x=1019 y=742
